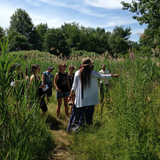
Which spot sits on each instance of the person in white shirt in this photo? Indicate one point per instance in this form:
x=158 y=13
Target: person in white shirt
x=104 y=81
x=85 y=87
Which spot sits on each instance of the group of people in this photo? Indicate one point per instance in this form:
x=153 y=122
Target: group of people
x=79 y=90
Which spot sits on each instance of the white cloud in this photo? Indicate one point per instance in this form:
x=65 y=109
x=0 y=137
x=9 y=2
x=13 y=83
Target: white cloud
x=76 y=5
x=109 y=4
x=51 y=22
x=33 y=3
x=135 y=31
x=6 y=13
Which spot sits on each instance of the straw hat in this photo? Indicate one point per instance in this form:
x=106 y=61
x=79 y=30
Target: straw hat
x=87 y=62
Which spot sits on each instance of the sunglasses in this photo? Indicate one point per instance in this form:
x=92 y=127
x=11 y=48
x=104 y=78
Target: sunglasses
x=64 y=66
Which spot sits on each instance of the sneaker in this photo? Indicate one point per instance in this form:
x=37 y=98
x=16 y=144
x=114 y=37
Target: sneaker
x=75 y=129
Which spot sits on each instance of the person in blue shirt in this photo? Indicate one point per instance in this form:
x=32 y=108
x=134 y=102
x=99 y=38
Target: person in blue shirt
x=47 y=79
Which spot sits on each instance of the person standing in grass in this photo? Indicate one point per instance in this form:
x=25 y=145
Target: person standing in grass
x=18 y=76
x=85 y=87
x=47 y=78
x=71 y=78
x=104 y=82
x=36 y=86
x=61 y=83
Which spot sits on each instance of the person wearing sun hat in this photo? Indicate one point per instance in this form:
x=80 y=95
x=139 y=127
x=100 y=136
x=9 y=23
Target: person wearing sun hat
x=85 y=87
x=47 y=79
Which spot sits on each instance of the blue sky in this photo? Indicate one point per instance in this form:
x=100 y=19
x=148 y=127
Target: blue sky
x=88 y=13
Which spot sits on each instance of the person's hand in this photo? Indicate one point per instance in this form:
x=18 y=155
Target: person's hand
x=116 y=75
x=43 y=86
x=69 y=98
x=59 y=91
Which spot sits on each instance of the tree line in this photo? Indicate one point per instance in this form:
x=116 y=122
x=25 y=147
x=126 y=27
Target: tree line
x=23 y=35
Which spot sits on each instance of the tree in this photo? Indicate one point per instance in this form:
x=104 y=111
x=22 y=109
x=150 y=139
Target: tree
x=21 y=22
x=72 y=33
x=55 y=42
x=1 y=35
x=41 y=30
x=18 y=42
x=118 y=40
x=150 y=41
x=146 y=11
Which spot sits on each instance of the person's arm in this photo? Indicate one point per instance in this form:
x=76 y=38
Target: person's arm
x=70 y=95
x=69 y=87
x=43 y=78
x=104 y=76
x=55 y=82
x=31 y=80
x=74 y=85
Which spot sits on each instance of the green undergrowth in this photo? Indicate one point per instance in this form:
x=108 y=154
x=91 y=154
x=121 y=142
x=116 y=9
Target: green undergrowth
x=125 y=124
x=127 y=127
x=24 y=134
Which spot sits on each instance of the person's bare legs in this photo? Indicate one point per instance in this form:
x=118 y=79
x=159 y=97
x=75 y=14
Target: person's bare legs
x=66 y=105
x=59 y=100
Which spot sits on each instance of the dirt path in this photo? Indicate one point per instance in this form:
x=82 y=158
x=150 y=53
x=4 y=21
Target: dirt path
x=62 y=140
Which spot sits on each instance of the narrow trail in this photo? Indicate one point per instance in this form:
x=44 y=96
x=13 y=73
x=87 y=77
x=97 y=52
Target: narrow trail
x=62 y=141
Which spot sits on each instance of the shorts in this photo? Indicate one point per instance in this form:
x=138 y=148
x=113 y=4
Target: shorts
x=62 y=94
x=101 y=87
x=48 y=92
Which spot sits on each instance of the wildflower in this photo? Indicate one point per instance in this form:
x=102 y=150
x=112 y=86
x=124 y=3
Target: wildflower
x=132 y=56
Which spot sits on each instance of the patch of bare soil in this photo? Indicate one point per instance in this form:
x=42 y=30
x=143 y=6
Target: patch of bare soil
x=62 y=140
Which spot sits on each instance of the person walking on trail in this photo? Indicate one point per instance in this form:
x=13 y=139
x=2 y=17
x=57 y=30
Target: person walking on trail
x=61 y=83
x=36 y=86
x=85 y=87
x=47 y=79
x=71 y=78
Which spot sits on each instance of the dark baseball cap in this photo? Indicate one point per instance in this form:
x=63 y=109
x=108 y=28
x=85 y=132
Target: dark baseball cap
x=50 y=67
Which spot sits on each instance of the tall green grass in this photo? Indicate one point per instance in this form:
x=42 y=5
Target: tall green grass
x=126 y=122
x=23 y=132
x=129 y=127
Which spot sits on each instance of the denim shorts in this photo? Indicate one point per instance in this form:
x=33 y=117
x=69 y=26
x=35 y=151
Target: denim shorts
x=62 y=94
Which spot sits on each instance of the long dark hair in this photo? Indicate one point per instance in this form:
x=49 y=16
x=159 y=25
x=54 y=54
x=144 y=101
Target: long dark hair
x=34 y=67
x=85 y=76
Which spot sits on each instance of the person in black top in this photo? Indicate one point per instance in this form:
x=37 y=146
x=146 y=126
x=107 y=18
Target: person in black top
x=71 y=78
x=35 y=81
x=61 y=83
